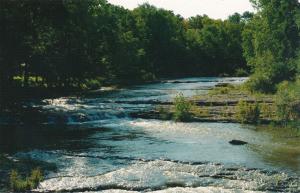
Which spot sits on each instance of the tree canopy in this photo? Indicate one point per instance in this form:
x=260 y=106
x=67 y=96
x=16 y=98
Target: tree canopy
x=271 y=41
x=75 y=43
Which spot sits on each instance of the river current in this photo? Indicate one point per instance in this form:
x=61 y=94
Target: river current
x=98 y=147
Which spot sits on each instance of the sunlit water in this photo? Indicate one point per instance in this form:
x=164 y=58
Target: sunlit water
x=97 y=146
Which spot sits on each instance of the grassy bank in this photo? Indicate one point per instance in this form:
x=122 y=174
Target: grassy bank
x=20 y=175
x=221 y=104
x=228 y=103
x=234 y=104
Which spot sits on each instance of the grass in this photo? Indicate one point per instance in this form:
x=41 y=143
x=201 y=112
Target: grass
x=247 y=113
x=267 y=110
x=223 y=104
x=200 y=111
x=17 y=184
x=219 y=90
x=15 y=173
x=228 y=103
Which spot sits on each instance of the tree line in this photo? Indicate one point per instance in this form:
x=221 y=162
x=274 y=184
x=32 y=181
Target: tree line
x=64 y=42
x=85 y=43
x=271 y=44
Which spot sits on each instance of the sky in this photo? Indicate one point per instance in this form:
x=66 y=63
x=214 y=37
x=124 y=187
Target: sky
x=217 y=9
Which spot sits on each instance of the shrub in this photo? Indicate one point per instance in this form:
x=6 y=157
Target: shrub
x=247 y=113
x=287 y=101
x=20 y=185
x=260 y=83
x=270 y=71
x=266 y=110
x=240 y=72
x=182 y=108
x=92 y=83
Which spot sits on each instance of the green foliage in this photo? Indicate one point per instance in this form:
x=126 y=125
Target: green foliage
x=182 y=108
x=261 y=83
x=241 y=72
x=69 y=44
x=215 y=46
x=267 y=110
x=219 y=90
x=266 y=78
x=287 y=101
x=222 y=89
x=247 y=113
x=93 y=83
x=19 y=185
x=270 y=41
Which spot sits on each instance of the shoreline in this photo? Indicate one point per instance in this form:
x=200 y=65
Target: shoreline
x=220 y=104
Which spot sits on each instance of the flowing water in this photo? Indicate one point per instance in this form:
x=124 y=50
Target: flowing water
x=98 y=147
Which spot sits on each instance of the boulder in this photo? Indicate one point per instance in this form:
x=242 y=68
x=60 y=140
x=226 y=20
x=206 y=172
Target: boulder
x=237 y=142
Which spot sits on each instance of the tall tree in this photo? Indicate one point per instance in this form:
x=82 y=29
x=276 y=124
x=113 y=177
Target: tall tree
x=270 y=42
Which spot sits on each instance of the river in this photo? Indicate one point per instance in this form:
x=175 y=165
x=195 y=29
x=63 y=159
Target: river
x=98 y=147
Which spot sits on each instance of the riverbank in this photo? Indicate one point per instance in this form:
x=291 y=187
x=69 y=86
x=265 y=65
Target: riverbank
x=224 y=103
x=220 y=104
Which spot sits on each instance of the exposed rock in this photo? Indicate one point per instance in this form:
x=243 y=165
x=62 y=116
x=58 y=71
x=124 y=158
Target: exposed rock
x=237 y=142
x=222 y=84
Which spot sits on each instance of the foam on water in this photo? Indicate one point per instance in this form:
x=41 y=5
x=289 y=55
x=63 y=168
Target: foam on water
x=161 y=175
x=119 y=103
x=184 y=190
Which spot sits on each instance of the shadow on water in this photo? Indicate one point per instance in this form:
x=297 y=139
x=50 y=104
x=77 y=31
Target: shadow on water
x=14 y=138
x=283 y=150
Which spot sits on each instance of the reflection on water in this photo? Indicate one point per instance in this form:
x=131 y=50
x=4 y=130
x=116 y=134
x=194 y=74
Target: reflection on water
x=283 y=150
x=97 y=146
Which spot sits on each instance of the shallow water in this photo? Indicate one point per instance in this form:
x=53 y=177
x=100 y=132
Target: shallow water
x=97 y=146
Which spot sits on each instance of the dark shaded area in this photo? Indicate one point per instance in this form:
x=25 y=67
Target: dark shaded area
x=14 y=138
x=57 y=47
x=237 y=142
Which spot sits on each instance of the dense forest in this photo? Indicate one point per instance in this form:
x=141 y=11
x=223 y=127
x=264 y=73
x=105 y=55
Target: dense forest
x=87 y=43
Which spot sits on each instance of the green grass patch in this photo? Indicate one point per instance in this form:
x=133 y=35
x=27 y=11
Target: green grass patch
x=18 y=184
x=247 y=113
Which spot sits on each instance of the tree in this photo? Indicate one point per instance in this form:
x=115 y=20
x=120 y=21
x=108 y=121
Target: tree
x=270 y=41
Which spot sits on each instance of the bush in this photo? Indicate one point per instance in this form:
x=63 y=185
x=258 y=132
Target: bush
x=93 y=83
x=265 y=79
x=240 y=72
x=287 y=101
x=182 y=108
x=247 y=113
x=19 y=185
x=260 y=83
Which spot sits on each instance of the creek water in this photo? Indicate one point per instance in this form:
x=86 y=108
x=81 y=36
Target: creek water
x=98 y=147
